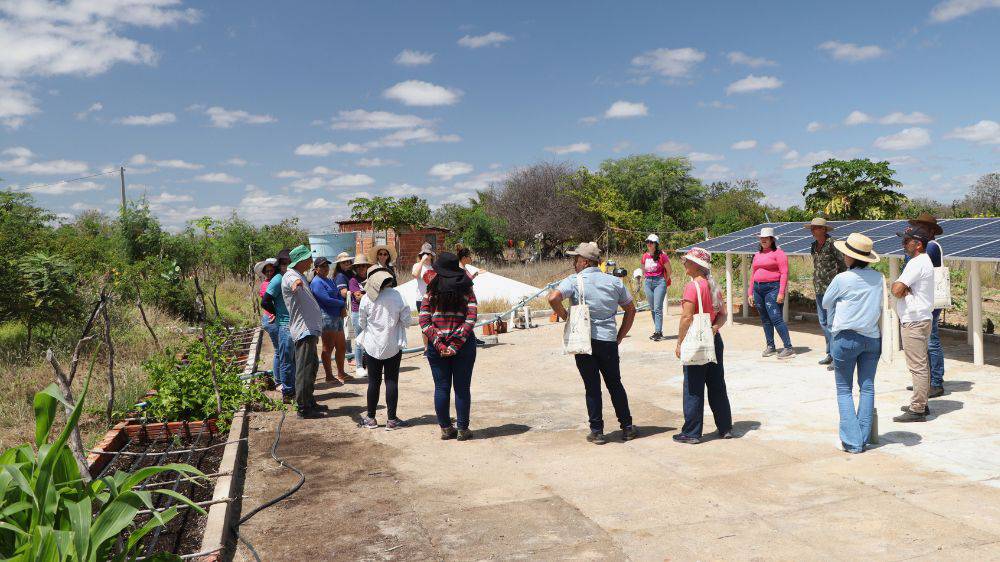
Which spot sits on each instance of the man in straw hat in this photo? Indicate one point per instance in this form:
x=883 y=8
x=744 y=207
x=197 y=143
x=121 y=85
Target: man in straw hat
x=935 y=353
x=827 y=263
x=914 y=291
x=603 y=294
x=853 y=304
x=305 y=325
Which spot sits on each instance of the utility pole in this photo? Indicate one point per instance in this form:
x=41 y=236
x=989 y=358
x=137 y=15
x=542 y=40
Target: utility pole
x=121 y=172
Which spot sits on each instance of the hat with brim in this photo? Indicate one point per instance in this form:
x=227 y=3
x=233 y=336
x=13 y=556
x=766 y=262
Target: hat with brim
x=917 y=232
x=653 y=238
x=818 y=221
x=858 y=246
x=321 y=261
x=699 y=256
x=258 y=268
x=373 y=285
x=767 y=232
x=342 y=257
x=587 y=250
x=373 y=253
x=927 y=220
x=298 y=255
x=428 y=250
x=361 y=259
x=447 y=265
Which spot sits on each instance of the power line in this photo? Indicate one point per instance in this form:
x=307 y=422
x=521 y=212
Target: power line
x=36 y=186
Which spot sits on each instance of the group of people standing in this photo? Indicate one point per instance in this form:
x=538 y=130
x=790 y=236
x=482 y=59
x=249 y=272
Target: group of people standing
x=306 y=301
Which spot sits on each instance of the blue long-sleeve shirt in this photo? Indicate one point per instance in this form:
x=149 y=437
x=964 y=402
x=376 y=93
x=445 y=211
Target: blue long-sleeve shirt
x=327 y=295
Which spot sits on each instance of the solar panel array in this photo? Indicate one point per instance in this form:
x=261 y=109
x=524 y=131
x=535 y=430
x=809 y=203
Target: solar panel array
x=975 y=239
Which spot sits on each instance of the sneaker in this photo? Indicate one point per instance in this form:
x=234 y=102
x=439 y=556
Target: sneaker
x=936 y=391
x=308 y=414
x=927 y=409
x=361 y=373
x=596 y=437
x=830 y=367
x=786 y=353
x=768 y=351
x=681 y=438
x=629 y=433
x=910 y=416
x=334 y=381
x=368 y=423
x=464 y=435
x=395 y=423
x=448 y=433
x=726 y=435
x=657 y=336
x=320 y=407
x=826 y=360
x=910 y=387
x=480 y=343
x=344 y=378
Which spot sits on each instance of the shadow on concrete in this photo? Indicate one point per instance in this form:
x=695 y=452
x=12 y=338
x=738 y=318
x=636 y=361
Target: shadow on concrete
x=907 y=438
x=958 y=386
x=741 y=428
x=800 y=349
x=505 y=430
x=644 y=431
x=349 y=411
x=939 y=407
x=406 y=369
x=331 y=395
x=426 y=419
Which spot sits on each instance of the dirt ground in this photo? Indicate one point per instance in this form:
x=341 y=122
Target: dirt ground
x=530 y=487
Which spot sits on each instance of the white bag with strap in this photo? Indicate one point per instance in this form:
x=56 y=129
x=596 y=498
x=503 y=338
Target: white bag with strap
x=888 y=326
x=942 y=283
x=698 y=347
x=576 y=334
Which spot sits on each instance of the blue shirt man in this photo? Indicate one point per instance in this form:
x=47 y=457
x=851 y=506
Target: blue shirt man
x=604 y=293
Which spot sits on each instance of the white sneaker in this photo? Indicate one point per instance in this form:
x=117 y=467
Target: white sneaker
x=361 y=372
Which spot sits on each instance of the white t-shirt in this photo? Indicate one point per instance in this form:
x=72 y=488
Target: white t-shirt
x=918 y=305
x=383 y=323
x=421 y=284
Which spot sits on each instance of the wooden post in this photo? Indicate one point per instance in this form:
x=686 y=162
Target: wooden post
x=893 y=275
x=121 y=173
x=729 y=289
x=745 y=274
x=976 y=306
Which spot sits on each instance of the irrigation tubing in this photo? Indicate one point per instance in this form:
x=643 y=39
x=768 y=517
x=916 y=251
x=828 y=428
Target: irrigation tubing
x=269 y=503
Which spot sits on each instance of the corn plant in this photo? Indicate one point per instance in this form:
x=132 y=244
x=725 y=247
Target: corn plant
x=47 y=511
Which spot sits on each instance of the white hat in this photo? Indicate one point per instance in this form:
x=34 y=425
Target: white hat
x=653 y=238
x=699 y=256
x=767 y=232
x=258 y=267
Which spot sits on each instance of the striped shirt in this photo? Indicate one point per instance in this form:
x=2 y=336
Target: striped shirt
x=448 y=330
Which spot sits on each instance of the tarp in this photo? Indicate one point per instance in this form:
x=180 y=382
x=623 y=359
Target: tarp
x=487 y=286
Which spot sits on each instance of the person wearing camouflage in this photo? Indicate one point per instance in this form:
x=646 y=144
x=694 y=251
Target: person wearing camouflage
x=827 y=263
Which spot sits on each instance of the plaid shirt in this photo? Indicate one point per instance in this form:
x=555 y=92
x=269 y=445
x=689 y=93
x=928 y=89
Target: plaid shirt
x=448 y=330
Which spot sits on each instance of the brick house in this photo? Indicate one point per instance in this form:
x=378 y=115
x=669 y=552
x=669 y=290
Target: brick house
x=409 y=241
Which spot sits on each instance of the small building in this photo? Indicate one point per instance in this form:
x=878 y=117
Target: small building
x=409 y=241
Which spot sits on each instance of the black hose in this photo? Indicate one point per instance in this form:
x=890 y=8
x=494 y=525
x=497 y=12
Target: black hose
x=267 y=504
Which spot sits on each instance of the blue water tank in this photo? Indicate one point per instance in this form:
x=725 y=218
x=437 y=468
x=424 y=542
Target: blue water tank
x=329 y=245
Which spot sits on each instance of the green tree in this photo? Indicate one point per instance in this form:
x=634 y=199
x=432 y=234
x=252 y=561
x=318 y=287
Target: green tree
x=853 y=189
x=732 y=206
x=50 y=286
x=472 y=226
x=595 y=193
x=387 y=213
x=661 y=190
x=23 y=229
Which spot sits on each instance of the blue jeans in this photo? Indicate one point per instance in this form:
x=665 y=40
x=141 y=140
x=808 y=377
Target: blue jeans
x=448 y=372
x=696 y=379
x=284 y=365
x=935 y=354
x=271 y=327
x=603 y=361
x=656 y=291
x=850 y=350
x=824 y=320
x=359 y=351
x=765 y=298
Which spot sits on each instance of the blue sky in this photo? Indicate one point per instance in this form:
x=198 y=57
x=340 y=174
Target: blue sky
x=291 y=109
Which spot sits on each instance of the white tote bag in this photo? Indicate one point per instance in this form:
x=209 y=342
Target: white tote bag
x=942 y=283
x=888 y=326
x=576 y=334
x=698 y=347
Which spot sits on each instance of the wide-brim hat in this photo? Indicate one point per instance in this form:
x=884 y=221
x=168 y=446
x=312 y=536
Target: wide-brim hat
x=699 y=256
x=766 y=232
x=361 y=259
x=373 y=285
x=342 y=257
x=298 y=255
x=373 y=253
x=427 y=249
x=448 y=265
x=928 y=220
x=858 y=246
x=258 y=268
x=818 y=221
x=587 y=250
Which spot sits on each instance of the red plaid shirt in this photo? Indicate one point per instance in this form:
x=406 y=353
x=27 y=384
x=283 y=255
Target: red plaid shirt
x=448 y=330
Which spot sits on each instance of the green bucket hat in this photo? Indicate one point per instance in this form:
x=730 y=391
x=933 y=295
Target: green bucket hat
x=299 y=254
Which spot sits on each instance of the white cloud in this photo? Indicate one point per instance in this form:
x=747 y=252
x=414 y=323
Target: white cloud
x=328 y=148
x=406 y=57
x=405 y=136
x=672 y=63
x=166 y=198
x=94 y=108
x=448 y=170
x=153 y=120
x=142 y=159
x=288 y=174
x=376 y=162
x=704 y=157
x=621 y=146
x=351 y=180
x=361 y=120
x=22 y=161
x=716 y=104
x=899 y=118
x=953 y=9
x=813 y=126
x=623 y=109
x=794 y=160
x=907 y=139
x=324 y=204
x=63 y=188
x=589 y=120
x=15 y=104
x=715 y=172
x=217 y=177
x=480 y=181
x=753 y=83
x=577 y=147
x=777 y=147
x=493 y=38
x=737 y=57
x=851 y=52
x=672 y=147
x=983 y=132
x=857 y=118
x=744 y=145
x=223 y=118
x=422 y=94
x=902 y=160
x=236 y=161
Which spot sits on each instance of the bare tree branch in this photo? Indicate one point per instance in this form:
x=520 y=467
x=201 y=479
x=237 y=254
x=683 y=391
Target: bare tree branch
x=142 y=312
x=111 y=363
x=200 y=303
x=65 y=385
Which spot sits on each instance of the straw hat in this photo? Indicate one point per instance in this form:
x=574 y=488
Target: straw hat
x=342 y=257
x=373 y=253
x=927 y=220
x=819 y=221
x=258 y=268
x=373 y=285
x=767 y=232
x=699 y=256
x=858 y=246
x=361 y=259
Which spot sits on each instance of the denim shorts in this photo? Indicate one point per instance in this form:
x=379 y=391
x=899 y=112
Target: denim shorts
x=331 y=324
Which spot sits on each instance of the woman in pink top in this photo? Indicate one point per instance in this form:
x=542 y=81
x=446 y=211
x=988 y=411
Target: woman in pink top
x=770 y=280
x=656 y=279
x=698 y=265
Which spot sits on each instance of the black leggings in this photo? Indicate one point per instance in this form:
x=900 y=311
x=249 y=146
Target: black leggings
x=376 y=368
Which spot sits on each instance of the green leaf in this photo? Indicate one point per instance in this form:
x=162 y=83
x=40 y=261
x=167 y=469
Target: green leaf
x=45 y=412
x=114 y=518
x=80 y=514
